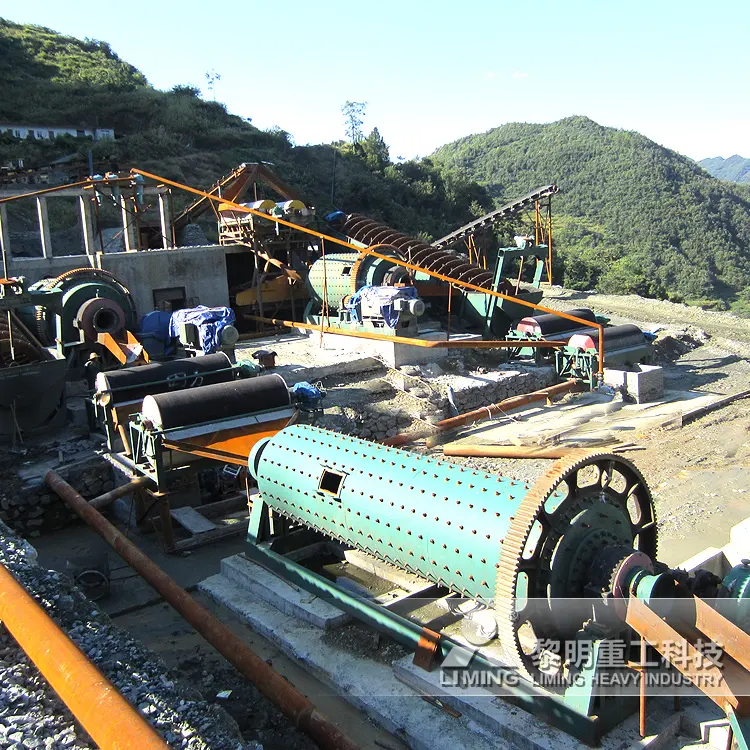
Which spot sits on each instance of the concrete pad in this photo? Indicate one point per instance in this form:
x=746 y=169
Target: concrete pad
x=391 y=695
x=720 y=561
x=522 y=729
x=308 y=358
x=643 y=382
x=390 y=352
x=284 y=596
x=381 y=569
x=368 y=685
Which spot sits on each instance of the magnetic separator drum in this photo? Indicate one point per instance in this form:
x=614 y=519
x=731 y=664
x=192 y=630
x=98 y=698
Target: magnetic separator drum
x=547 y=324
x=133 y=383
x=216 y=402
x=498 y=541
x=616 y=337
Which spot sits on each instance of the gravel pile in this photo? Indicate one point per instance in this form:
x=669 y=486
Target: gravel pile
x=31 y=714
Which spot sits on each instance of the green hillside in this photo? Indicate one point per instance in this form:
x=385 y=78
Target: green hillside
x=734 y=169
x=632 y=216
x=50 y=79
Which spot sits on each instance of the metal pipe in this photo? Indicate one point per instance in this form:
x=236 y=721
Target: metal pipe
x=396 y=261
x=95 y=702
x=480 y=344
x=82 y=183
x=504 y=451
x=642 y=691
x=486 y=412
x=276 y=688
x=109 y=497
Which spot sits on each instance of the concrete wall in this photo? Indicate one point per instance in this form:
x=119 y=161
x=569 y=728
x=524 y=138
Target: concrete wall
x=201 y=270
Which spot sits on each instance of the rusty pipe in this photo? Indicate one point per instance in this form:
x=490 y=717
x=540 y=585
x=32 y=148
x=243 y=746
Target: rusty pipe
x=503 y=451
x=486 y=412
x=408 y=341
x=95 y=702
x=109 y=497
x=278 y=690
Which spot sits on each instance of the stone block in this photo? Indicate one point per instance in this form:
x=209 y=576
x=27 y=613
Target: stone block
x=644 y=383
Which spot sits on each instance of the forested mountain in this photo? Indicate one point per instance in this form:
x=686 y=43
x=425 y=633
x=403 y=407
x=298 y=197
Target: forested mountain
x=50 y=79
x=734 y=169
x=632 y=216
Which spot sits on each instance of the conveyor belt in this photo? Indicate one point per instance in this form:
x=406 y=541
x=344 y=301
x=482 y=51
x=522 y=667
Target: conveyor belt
x=494 y=216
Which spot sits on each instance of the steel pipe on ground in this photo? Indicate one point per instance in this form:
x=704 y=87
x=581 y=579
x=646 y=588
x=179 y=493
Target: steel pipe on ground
x=102 y=501
x=292 y=703
x=486 y=412
x=504 y=451
x=110 y=720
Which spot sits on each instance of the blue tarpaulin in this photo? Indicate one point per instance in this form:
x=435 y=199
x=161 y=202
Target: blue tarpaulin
x=210 y=321
x=155 y=325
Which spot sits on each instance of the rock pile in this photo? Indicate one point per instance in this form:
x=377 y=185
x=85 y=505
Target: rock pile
x=28 y=506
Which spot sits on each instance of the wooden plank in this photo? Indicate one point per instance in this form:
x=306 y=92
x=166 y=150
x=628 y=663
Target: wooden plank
x=193 y=521
x=222 y=532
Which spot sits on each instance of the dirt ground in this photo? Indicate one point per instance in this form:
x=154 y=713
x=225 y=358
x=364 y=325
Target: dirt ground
x=699 y=473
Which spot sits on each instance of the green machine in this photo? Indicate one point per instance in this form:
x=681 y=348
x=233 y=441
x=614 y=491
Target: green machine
x=559 y=572
x=488 y=313
x=363 y=292
x=88 y=302
x=32 y=377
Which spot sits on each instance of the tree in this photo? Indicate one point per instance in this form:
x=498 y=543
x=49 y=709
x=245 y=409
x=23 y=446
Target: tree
x=376 y=151
x=353 y=113
x=211 y=77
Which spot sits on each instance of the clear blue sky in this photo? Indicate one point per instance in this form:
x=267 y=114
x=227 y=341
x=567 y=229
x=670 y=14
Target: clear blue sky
x=431 y=72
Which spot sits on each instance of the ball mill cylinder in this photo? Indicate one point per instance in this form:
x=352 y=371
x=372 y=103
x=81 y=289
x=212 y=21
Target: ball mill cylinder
x=338 y=275
x=483 y=536
x=93 y=301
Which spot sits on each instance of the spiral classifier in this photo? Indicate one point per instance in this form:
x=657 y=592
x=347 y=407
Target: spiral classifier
x=369 y=232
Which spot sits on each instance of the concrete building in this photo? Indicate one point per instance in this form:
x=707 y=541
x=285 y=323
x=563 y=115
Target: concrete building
x=47 y=132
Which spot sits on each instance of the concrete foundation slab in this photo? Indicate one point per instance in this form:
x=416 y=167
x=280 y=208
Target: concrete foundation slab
x=391 y=695
x=392 y=353
x=300 y=357
x=579 y=419
x=368 y=685
x=523 y=730
x=284 y=596
x=643 y=383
